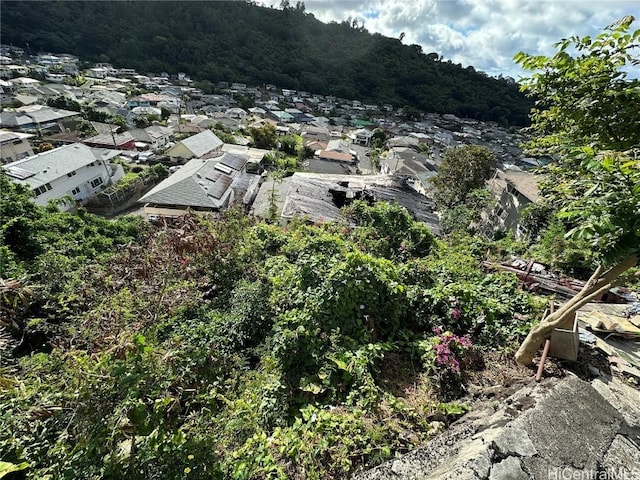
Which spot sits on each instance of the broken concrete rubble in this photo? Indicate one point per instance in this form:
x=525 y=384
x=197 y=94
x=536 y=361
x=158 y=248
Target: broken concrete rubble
x=565 y=427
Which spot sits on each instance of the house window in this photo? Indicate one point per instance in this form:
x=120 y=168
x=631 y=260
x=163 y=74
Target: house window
x=96 y=182
x=75 y=191
x=500 y=212
x=71 y=174
x=40 y=190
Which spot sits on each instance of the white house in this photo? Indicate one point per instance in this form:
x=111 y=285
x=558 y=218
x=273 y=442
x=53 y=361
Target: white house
x=75 y=170
x=155 y=137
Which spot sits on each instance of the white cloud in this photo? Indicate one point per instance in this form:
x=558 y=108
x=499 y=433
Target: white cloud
x=482 y=33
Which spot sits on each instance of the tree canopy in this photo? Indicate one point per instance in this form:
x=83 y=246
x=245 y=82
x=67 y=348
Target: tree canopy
x=463 y=170
x=243 y=42
x=587 y=117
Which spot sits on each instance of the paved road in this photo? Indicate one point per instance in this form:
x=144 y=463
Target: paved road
x=364 y=162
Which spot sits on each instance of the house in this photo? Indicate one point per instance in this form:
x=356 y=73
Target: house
x=403 y=141
x=362 y=136
x=256 y=155
x=120 y=141
x=10 y=71
x=315 y=133
x=98 y=72
x=415 y=167
x=196 y=146
x=76 y=171
x=319 y=197
x=334 y=156
x=280 y=116
x=237 y=113
x=257 y=111
x=514 y=190
x=33 y=118
x=14 y=146
x=24 y=82
x=154 y=137
x=203 y=184
x=339 y=145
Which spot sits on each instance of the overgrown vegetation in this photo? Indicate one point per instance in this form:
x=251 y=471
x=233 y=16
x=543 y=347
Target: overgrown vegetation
x=223 y=348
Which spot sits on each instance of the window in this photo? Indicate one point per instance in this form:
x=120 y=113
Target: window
x=500 y=212
x=96 y=182
x=44 y=188
x=71 y=174
x=75 y=191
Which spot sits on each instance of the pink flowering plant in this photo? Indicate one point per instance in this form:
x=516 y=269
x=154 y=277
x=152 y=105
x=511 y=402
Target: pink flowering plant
x=443 y=355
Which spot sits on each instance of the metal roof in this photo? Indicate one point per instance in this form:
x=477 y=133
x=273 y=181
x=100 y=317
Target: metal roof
x=312 y=195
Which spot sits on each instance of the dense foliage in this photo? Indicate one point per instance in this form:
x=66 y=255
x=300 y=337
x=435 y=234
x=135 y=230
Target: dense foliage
x=239 y=42
x=223 y=348
x=587 y=116
x=459 y=187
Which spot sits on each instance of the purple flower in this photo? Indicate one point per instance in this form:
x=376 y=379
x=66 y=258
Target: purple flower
x=455 y=314
x=455 y=367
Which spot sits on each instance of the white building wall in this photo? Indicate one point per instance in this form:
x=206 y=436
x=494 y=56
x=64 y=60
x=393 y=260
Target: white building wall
x=79 y=186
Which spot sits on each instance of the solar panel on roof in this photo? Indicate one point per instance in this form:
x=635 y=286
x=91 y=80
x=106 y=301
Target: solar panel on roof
x=19 y=173
x=221 y=186
x=213 y=177
x=234 y=161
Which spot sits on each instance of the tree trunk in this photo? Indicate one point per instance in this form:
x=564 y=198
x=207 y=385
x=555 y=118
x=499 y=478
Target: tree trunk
x=598 y=284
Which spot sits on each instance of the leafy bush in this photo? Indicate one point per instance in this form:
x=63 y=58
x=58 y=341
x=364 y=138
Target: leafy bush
x=215 y=347
x=444 y=354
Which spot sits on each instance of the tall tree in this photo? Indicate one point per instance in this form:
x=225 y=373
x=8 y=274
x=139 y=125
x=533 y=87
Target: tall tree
x=463 y=170
x=587 y=117
x=264 y=137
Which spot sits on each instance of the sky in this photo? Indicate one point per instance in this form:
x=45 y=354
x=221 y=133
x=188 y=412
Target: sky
x=483 y=33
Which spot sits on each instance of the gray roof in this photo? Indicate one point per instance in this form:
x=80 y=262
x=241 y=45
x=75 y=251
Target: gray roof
x=202 y=143
x=110 y=139
x=203 y=183
x=8 y=136
x=14 y=119
x=39 y=114
x=313 y=196
x=48 y=166
x=158 y=131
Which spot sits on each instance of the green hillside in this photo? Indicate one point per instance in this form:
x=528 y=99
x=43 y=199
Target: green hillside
x=236 y=41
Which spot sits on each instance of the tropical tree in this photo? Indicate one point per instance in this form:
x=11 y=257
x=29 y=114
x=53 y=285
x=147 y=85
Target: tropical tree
x=587 y=117
x=463 y=170
x=378 y=138
x=263 y=137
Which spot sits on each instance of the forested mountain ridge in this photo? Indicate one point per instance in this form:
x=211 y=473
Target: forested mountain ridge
x=236 y=41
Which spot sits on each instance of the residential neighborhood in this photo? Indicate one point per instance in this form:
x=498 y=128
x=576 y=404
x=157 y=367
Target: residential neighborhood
x=332 y=240
x=58 y=111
